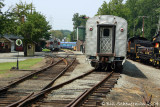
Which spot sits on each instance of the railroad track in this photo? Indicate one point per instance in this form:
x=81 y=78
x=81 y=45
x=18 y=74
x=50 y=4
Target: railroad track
x=16 y=92
x=94 y=96
x=84 y=90
x=23 y=78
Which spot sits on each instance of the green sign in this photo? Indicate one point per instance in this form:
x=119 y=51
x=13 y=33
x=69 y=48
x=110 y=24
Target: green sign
x=18 y=42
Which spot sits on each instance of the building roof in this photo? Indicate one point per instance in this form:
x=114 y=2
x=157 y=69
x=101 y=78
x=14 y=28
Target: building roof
x=8 y=39
x=11 y=36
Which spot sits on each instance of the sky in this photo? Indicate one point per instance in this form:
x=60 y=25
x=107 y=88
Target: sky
x=59 y=13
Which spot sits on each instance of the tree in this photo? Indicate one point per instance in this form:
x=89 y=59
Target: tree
x=1 y=5
x=57 y=34
x=78 y=20
x=133 y=11
x=138 y=9
x=114 y=7
x=7 y=24
x=31 y=25
x=73 y=36
x=104 y=9
x=35 y=27
x=66 y=32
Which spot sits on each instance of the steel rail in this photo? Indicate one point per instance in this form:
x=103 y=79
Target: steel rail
x=47 y=86
x=84 y=96
x=46 y=91
x=59 y=75
x=18 y=102
x=71 y=103
x=5 y=89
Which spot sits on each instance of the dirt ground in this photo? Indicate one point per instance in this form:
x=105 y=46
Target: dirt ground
x=9 y=76
x=136 y=81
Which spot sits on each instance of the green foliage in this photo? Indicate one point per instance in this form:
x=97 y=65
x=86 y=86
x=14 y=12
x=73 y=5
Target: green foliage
x=73 y=36
x=66 y=32
x=1 y=4
x=35 y=27
x=46 y=50
x=133 y=11
x=7 y=21
x=60 y=33
x=114 y=7
x=23 y=20
x=78 y=20
x=69 y=39
x=7 y=24
x=57 y=34
x=138 y=9
x=23 y=9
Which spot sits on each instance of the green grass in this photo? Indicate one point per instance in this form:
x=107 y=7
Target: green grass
x=26 y=64
x=46 y=50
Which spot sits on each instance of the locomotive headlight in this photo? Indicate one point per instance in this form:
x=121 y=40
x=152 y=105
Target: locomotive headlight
x=157 y=45
x=122 y=29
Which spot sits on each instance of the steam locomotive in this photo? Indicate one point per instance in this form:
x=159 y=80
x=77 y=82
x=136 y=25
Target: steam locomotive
x=145 y=51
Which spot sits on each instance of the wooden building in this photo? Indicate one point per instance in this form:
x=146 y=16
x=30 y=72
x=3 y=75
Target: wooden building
x=80 y=45
x=30 y=49
x=7 y=43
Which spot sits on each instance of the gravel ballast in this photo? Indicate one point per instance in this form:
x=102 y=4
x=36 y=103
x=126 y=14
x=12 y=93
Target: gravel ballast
x=137 y=80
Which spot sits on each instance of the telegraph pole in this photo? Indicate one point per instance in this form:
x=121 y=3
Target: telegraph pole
x=143 y=24
x=77 y=37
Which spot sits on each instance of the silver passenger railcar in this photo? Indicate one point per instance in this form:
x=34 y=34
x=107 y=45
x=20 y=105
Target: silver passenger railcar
x=106 y=42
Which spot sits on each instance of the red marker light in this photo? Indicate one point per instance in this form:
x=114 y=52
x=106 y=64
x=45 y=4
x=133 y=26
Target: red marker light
x=90 y=28
x=122 y=29
x=58 y=43
x=157 y=45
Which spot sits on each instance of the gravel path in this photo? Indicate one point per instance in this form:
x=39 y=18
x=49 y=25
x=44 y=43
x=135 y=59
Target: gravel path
x=137 y=80
x=80 y=69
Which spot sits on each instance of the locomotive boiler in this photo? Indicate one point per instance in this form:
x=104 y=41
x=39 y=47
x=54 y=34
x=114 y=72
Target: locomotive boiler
x=143 y=50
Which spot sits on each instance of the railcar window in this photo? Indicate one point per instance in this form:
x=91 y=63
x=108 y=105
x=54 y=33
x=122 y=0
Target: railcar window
x=106 y=32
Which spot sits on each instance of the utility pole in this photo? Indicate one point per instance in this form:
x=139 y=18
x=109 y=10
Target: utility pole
x=77 y=37
x=134 y=29
x=77 y=34
x=143 y=24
